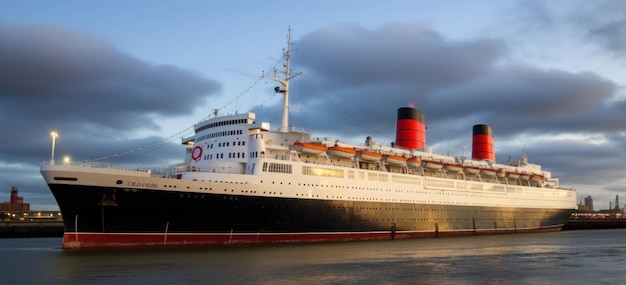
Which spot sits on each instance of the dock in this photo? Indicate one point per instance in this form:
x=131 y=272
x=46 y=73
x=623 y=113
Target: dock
x=54 y=228
x=26 y=229
x=23 y=224
x=594 y=224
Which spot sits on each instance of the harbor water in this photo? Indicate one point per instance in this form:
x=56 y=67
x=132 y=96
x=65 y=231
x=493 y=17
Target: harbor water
x=566 y=257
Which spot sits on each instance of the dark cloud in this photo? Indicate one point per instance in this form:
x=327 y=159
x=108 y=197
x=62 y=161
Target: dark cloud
x=611 y=35
x=602 y=23
x=97 y=97
x=579 y=161
x=350 y=55
x=512 y=97
x=51 y=72
x=521 y=98
x=67 y=79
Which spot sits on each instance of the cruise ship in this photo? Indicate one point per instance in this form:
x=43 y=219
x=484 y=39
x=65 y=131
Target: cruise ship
x=243 y=182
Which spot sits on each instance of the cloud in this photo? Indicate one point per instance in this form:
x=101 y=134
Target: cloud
x=350 y=55
x=573 y=35
x=396 y=65
x=47 y=71
x=601 y=23
x=528 y=98
x=611 y=35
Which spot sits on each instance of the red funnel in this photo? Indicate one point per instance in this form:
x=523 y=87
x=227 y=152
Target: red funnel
x=482 y=143
x=410 y=129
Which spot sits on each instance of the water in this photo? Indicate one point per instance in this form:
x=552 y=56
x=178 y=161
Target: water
x=568 y=257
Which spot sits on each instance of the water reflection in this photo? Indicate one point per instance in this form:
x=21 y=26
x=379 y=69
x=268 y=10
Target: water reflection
x=570 y=257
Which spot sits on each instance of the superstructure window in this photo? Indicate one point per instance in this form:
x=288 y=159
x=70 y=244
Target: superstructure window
x=219 y=134
x=322 y=171
x=222 y=123
x=277 y=167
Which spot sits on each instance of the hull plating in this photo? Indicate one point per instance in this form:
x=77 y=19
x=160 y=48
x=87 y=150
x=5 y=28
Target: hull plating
x=112 y=217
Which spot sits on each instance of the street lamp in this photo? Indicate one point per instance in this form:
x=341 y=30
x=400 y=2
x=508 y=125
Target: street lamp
x=54 y=136
x=66 y=160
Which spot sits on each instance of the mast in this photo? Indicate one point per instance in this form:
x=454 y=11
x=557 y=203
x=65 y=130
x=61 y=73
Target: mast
x=284 y=126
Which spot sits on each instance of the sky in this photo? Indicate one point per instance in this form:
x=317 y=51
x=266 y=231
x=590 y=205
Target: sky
x=124 y=82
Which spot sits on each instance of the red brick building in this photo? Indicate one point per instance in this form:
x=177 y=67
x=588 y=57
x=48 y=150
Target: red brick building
x=16 y=203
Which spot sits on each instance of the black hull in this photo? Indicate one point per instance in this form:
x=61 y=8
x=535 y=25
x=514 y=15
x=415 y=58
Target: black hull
x=113 y=211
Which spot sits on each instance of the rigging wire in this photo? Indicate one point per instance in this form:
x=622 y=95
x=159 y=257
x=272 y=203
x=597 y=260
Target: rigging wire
x=170 y=138
x=327 y=95
x=352 y=102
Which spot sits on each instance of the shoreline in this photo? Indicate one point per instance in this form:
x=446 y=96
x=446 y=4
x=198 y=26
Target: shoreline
x=32 y=229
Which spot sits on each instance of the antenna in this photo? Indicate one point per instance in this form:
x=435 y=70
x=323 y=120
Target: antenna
x=284 y=126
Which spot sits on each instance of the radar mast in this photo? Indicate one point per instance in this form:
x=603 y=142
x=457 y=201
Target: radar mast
x=284 y=126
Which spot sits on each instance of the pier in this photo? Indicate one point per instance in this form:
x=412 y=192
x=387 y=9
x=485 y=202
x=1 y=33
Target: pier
x=594 y=224
x=26 y=229
x=21 y=224
x=591 y=220
x=50 y=223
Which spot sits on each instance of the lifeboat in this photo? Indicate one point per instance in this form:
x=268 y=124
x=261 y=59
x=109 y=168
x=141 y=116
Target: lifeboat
x=512 y=175
x=500 y=173
x=453 y=168
x=395 y=160
x=341 y=152
x=471 y=170
x=536 y=178
x=309 y=148
x=488 y=172
x=369 y=156
x=413 y=162
x=524 y=176
x=428 y=164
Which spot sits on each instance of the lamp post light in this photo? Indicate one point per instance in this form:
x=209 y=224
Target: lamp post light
x=66 y=160
x=54 y=136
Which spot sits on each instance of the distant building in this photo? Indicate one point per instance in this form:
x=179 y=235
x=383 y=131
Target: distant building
x=16 y=203
x=586 y=205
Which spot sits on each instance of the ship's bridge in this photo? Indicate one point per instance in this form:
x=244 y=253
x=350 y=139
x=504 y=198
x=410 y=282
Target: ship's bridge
x=229 y=121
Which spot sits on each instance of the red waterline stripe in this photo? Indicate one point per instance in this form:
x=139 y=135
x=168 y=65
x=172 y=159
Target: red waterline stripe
x=100 y=240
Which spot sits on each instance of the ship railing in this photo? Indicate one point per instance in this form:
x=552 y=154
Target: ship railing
x=295 y=130
x=166 y=172
x=93 y=164
x=111 y=166
x=172 y=171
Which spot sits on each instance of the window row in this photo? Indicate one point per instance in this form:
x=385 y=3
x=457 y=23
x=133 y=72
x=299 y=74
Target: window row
x=220 y=134
x=277 y=167
x=221 y=155
x=321 y=171
x=227 y=144
x=222 y=123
